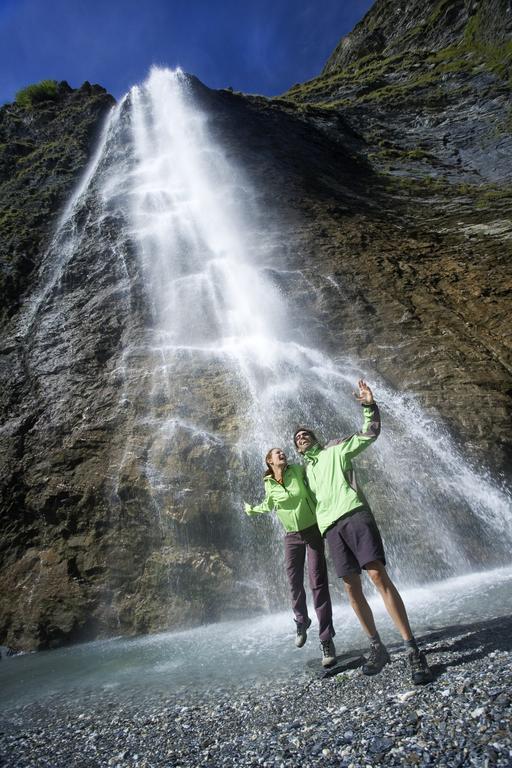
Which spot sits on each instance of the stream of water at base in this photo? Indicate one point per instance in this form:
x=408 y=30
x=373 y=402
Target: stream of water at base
x=239 y=653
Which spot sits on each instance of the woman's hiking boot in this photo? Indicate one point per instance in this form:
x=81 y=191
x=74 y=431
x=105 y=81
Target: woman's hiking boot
x=420 y=670
x=328 y=653
x=378 y=657
x=302 y=632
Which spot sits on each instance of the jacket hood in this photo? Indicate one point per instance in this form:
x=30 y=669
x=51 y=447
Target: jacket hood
x=267 y=478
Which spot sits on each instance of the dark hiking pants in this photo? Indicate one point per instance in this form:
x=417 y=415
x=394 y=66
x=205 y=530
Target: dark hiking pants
x=297 y=546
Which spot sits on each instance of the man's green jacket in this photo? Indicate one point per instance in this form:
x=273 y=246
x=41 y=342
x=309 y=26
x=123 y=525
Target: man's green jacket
x=331 y=475
x=293 y=501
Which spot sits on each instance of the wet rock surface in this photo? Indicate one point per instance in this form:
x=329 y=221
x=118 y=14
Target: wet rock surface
x=460 y=719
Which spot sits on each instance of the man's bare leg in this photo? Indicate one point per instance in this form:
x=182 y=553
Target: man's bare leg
x=392 y=600
x=378 y=656
x=359 y=603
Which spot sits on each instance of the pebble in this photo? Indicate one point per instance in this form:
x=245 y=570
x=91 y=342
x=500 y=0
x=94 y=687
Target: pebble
x=402 y=697
x=462 y=719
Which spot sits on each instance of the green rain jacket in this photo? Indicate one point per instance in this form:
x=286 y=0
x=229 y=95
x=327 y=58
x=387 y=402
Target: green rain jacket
x=331 y=475
x=293 y=501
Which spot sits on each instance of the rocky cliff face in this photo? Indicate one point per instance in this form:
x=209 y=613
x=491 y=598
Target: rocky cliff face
x=43 y=149
x=393 y=28
x=392 y=170
x=426 y=88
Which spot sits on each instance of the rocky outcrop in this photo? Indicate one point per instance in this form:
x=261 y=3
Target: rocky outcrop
x=389 y=179
x=394 y=28
x=43 y=149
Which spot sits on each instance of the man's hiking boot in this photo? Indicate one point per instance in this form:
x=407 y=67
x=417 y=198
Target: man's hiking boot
x=302 y=633
x=420 y=670
x=328 y=653
x=378 y=657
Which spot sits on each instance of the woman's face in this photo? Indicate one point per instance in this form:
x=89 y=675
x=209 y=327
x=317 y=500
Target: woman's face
x=277 y=458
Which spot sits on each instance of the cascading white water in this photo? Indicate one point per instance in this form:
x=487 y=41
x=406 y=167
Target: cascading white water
x=189 y=222
x=223 y=371
x=196 y=222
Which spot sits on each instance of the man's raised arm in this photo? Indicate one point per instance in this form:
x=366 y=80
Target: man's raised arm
x=371 y=425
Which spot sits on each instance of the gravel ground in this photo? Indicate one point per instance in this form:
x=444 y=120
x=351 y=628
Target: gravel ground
x=463 y=718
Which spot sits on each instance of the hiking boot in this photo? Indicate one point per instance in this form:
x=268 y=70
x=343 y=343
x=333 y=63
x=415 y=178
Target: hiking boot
x=420 y=670
x=302 y=633
x=328 y=653
x=377 y=659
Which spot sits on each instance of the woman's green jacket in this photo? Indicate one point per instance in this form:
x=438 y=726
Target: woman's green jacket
x=292 y=500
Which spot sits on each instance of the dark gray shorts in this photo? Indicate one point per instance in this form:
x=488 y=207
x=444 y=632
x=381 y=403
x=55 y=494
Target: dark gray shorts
x=354 y=541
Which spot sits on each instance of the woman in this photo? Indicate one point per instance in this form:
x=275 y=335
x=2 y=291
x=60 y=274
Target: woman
x=287 y=492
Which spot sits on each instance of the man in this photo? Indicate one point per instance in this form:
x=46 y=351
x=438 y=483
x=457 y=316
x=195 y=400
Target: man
x=354 y=540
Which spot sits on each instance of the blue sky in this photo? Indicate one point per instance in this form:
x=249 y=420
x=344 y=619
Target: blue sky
x=255 y=46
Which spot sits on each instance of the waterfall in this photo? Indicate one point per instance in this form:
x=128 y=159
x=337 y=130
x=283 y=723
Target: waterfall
x=222 y=366
x=207 y=261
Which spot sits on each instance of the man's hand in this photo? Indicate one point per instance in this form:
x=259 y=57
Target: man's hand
x=365 y=396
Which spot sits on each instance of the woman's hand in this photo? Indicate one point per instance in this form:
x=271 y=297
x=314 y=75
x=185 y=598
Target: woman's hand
x=365 y=396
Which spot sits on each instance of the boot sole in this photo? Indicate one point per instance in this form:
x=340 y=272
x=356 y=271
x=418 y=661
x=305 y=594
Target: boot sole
x=370 y=673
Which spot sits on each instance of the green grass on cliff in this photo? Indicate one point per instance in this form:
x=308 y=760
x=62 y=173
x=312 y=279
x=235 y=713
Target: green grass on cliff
x=484 y=197
x=372 y=81
x=396 y=78
x=395 y=153
x=496 y=56
x=391 y=78
x=33 y=94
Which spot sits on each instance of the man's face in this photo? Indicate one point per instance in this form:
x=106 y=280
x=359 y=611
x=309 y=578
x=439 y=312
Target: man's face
x=303 y=440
